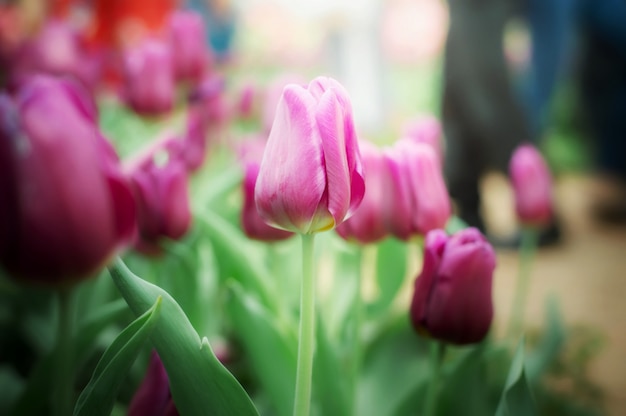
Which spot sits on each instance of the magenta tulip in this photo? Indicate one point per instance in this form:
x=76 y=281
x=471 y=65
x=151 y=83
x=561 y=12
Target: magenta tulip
x=311 y=176
x=153 y=397
x=532 y=185
x=149 y=78
x=368 y=224
x=415 y=190
x=187 y=42
x=452 y=299
x=66 y=208
x=162 y=195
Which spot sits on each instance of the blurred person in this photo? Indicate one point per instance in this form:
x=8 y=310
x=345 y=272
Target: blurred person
x=603 y=100
x=484 y=115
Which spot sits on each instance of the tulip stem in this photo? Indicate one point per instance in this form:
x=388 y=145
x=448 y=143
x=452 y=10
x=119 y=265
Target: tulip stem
x=527 y=251
x=306 y=343
x=437 y=350
x=64 y=373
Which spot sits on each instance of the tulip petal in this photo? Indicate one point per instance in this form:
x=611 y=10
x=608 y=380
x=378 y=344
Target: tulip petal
x=292 y=180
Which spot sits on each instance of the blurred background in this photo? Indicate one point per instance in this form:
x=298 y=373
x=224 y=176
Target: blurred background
x=495 y=73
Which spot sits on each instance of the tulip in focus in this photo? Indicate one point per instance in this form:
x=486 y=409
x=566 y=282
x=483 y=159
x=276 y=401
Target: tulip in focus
x=311 y=177
x=532 y=185
x=416 y=190
x=187 y=42
x=162 y=195
x=367 y=225
x=452 y=301
x=66 y=208
x=149 y=78
x=153 y=397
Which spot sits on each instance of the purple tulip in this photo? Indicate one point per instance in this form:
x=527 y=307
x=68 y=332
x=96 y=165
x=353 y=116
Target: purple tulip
x=187 y=42
x=452 y=299
x=153 y=397
x=532 y=184
x=162 y=196
x=311 y=176
x=66 y=207
x=149 y=78
x=251 y=222
x=415 y=189
x=368 y=224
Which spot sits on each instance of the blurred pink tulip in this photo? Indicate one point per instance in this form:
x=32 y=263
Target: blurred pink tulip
x=532 y=185
x=367 y=225
x=311 y=176
x=452 y=301
x=190 y=53
x=66 y=207
x=149 y=78
x=425 y=129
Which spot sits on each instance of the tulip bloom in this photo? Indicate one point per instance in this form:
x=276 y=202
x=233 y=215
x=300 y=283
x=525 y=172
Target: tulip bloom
x=153 y=397
x=416 y=190
x=162 y=196
x=425 y=129
x=66 y=208
x=311 y=176
x=367 y=225
x=532 y=184
x=452 y=299
x=187 y=42
x=149 y=78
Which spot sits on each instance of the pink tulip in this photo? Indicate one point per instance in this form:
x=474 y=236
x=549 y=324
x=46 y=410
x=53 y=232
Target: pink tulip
x=153 y=397
x=425 y=129
x=66 y=208
x=416 y=189
x=273 y=94
x=532 y=184
x=367 y=225
x=452 y=301
x=187 y=41
x=149 y=78
x=162 y=197
x=311 y=176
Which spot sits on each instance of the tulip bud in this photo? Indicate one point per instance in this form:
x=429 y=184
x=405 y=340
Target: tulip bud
x=66 y=208
x=416 y=189
x=532 y=185
x=187 y=42
x=311 y=176
x=425 y=129
x=367 y=225
x=162 y=195
x=153 y=397
x=149 y=78
x=208 y=100
x=452 y=299
x=252 y=223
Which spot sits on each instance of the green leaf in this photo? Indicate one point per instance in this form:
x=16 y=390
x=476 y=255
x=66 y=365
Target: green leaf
x=271 y=348
x=551 y=344
x=238 y=258
x=99 y=395
x=517 y=399
x=390 y=273
x=199 y=383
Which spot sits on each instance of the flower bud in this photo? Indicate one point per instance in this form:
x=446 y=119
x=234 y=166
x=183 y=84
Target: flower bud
x=311 y=176
x=452 y=298
x=149 y=78
x=532 y=186
x=65 y=207
x=416 y=189
x=187 y=42
x=367 y=225
x=153 y=397
x=162 y=195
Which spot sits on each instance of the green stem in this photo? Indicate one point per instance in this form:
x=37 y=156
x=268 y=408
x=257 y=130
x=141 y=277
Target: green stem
x=437 y=350
x=62 y=402
x=364 y=256
x=306 y=343
x=527 y=253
